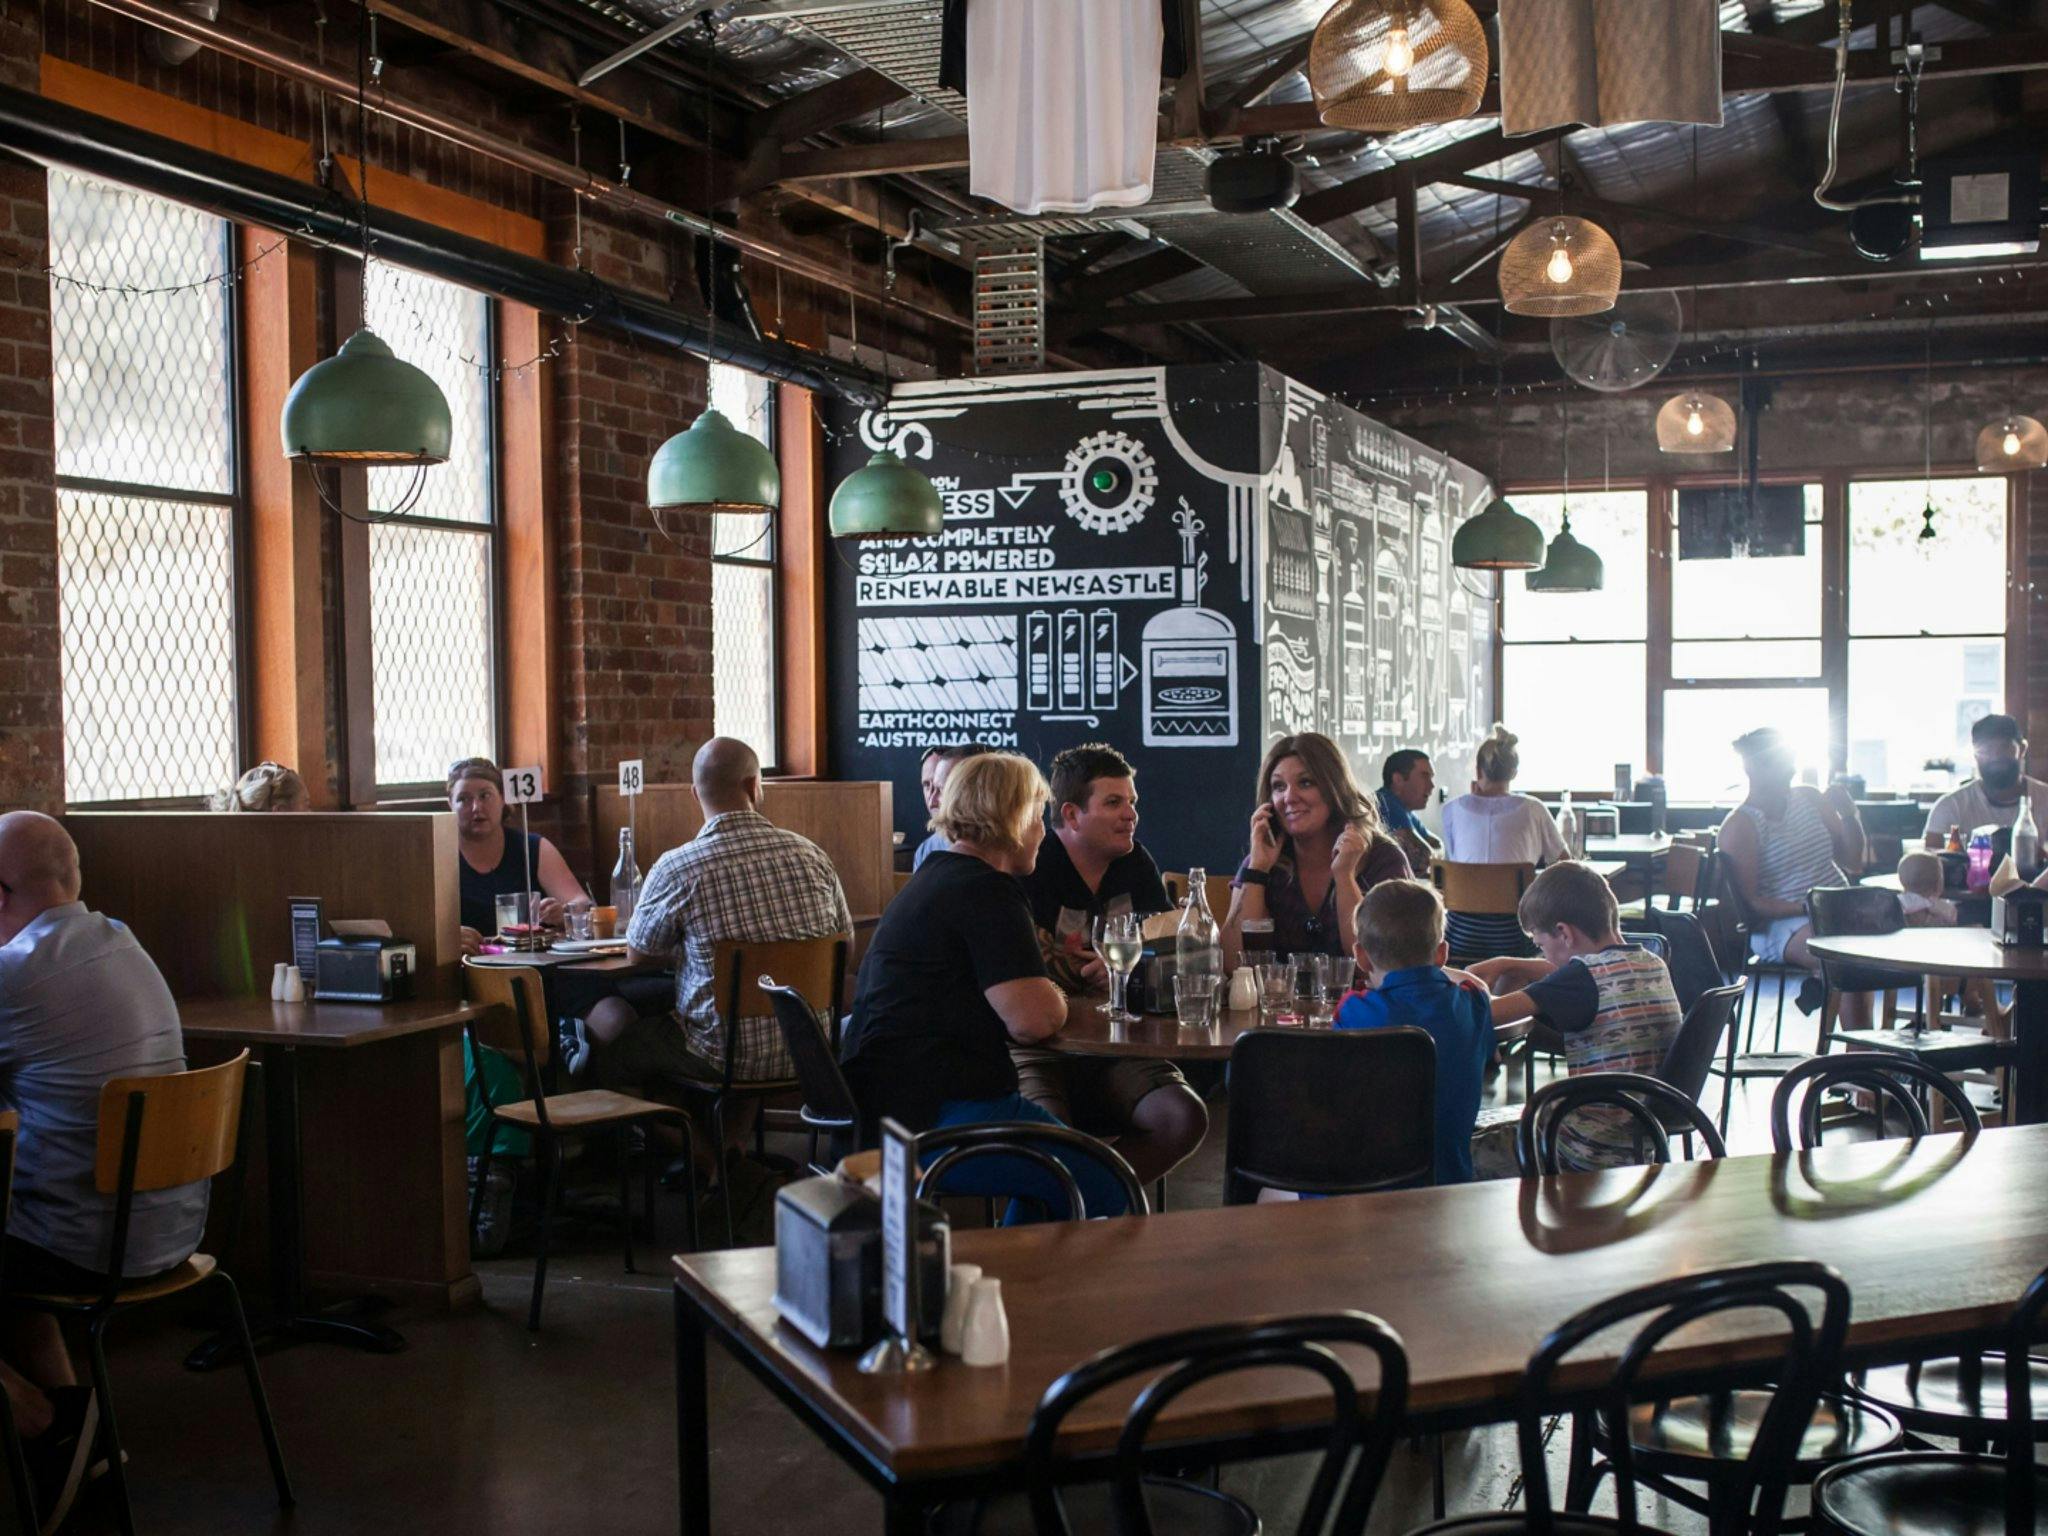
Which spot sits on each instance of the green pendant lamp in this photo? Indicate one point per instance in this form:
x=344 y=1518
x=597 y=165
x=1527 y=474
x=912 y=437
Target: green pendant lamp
x=1569 y=567
x=366 y=406
x=1498 y=539
x=886 y=499
x=713 y=467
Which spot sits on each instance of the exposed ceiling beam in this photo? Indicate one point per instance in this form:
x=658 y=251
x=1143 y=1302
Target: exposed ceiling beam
x=826 y=106
x=1189 y=117
x=1544 y=198
x=889 y=158
x=1286 y=64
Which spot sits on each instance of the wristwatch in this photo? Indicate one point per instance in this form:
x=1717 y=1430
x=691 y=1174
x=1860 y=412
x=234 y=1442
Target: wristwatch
x=1250 y=876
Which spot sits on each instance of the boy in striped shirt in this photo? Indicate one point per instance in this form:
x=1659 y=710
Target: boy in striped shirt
x=1612 y=1002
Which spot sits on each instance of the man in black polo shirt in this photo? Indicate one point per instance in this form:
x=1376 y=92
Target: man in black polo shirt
x=1090 y=866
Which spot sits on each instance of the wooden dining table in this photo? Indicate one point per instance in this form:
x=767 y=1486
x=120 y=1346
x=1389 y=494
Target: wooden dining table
x=1970 y=952
x=1089 y=1031
x=1936 y=1239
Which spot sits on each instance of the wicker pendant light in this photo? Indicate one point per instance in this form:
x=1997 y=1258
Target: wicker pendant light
x=1696 y=423
x=2016 y=442
x=1379 y=66
x=1560 y=266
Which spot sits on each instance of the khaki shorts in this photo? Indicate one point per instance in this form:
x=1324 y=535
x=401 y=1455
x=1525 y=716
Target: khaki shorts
x=1091 y=1093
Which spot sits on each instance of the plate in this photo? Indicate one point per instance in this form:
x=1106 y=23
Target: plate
x=540 y=958
x=588 y=946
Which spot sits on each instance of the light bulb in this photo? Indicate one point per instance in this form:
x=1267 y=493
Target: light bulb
x=2012 y=443
x=1400 y=52
x=1560 y=268
x=1695 y=424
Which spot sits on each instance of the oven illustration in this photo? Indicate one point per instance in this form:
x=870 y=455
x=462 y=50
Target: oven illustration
x=1189 y=660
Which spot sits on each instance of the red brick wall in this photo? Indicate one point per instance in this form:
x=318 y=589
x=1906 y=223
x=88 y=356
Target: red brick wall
x=31 y=734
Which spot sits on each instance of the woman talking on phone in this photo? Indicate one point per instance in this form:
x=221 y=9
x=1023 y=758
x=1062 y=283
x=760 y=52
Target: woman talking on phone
x=1316 y=848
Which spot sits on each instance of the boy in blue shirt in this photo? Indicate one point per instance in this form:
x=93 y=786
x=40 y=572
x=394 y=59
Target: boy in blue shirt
x=1401 y=950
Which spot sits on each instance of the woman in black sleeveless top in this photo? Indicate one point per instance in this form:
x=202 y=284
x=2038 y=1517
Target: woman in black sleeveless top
x=494 y=863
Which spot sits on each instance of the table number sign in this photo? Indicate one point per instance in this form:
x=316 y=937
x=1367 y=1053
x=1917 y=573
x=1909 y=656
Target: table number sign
x=525 y=784
x=898 y=1349
x=631 y=778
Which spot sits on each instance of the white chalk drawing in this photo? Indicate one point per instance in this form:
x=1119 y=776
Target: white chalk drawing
x=1108 y=482
x=1072 y=667
x=883 y=429
x=944 y=662
x=1190 y=659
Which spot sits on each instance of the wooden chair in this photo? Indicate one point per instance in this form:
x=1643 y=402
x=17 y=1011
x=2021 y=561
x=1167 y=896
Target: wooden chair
x=519 y=1024
x=1216 y=887
x=158 y=1133
x=1680 y=884
x=815 y=969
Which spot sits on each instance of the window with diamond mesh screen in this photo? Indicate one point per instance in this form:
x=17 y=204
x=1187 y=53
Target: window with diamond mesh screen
x=743 y=636
x=142 y=383
x=432 y=625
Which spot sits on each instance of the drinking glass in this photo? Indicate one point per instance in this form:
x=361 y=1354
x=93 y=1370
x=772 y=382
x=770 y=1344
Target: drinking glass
x=1311 y=982
x=1276 y=986
x=1194 y=999
x=512 y=910
x=1119 y=944
x=1338 y=975
x=580 y=923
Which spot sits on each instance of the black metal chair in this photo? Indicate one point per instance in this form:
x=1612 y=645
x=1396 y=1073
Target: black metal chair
x=829 y=1108
x=1752 y=1062
x=1651 y=1105
x=1692 y=1053
x=1941 y=1493
x=1330 y=1112
x=1891 y=1078
x=1688 y=954
x=1847 y=911
x=1758 y=1481
x=942 y=1151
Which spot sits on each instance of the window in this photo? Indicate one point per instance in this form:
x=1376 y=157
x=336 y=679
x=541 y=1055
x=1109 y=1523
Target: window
x=743 y=635
x=1572 y=664
x=1752 y=616
x=433 y=623
x=1926 y=624
x=146 y=494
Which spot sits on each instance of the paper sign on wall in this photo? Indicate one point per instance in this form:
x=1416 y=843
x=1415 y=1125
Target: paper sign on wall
x=631 y=779
x=523 y=785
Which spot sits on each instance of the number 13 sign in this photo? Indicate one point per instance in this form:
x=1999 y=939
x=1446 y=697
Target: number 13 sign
x=525 y=784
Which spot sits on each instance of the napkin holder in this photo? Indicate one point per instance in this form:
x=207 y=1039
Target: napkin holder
x=362 y=963
x=828 y=1263
x=2017 y=918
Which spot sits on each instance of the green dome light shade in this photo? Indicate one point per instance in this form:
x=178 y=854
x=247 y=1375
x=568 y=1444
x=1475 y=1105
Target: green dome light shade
x=886 y=498
x=1570 y=566
x=1498 y=539
x=716 y=467
x=365 y=405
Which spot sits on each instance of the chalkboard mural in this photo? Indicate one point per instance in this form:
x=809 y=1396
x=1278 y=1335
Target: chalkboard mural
x=1179 y=561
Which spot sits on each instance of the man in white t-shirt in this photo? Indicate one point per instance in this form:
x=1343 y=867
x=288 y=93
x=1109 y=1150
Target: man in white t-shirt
x=1993 y=797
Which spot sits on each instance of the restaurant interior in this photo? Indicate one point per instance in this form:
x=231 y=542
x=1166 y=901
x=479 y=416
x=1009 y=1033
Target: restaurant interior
x=1027 y=765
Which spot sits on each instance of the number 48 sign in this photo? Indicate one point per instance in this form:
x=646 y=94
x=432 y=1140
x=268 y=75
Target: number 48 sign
x=631 y=779
x=525 y=784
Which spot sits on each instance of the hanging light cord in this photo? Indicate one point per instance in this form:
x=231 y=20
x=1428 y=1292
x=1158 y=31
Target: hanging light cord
x=1909 y=81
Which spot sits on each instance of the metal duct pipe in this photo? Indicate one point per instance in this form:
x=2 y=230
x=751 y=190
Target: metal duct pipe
x=170 y=18
x=57 y=134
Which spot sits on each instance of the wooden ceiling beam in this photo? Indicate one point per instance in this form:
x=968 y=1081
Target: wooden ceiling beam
x=795 y=118
x=1811 y=243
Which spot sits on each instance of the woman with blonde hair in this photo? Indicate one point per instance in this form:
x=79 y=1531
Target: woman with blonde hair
x=954 y=973
x=266 y=787
x=1317 y=846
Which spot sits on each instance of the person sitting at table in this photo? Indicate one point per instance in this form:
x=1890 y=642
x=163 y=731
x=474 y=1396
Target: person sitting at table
x=1920 y=899
x=931 y=779
x=81 y=1003
x=1993 y=797
x=740 y=878
x=954 y=975
x=1401 y=953
x=1494 y=825
x=1317 y=846
x=496 y=861
x=266 y=787
x=1407 y=780
x=1781 y=842
x=1094 y=866
x=1612 y=1003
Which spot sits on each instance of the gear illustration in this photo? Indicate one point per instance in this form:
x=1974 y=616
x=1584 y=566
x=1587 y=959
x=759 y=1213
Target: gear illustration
x=1108 y=482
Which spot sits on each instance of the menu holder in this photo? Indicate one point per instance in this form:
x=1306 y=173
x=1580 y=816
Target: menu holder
x=898 y=1350
x=306 y=937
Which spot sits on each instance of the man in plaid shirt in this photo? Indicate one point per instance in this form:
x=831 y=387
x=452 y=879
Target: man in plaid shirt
x=741 y=877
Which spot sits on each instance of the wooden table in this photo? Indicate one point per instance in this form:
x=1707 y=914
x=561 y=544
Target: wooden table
x=1971 y=952
x=1640 y=851
x=389 y=1176
x=1161 y=1036
x=1471 y=1276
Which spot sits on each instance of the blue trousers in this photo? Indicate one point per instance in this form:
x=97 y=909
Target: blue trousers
x=1033 y=1188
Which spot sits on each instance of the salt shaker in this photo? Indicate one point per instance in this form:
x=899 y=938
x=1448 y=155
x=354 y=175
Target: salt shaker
x=294 y=985
x=1244 y=989
x=985 y=1335
x=959 y=1290
x=277 y=981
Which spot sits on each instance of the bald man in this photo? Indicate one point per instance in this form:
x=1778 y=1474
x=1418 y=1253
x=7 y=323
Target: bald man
x=80 y=1003
x=741 y=877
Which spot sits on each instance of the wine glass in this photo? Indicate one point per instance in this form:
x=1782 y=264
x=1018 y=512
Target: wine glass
x=1119 y=944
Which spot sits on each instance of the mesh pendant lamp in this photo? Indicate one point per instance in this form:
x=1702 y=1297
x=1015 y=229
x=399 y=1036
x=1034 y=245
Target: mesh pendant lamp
x=1561 y=265
x=2016 y=442
x=366 y=406
x=1498 y=539
x=1696 y=423
x=886 y=498
x=713 y=467
x=1379 y=66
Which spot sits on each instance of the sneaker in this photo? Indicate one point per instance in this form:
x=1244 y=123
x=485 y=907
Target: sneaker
x=1812 y=993
x=58 y=1457
x=574 y=1047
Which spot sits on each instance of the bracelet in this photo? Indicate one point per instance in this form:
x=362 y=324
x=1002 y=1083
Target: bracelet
x=1249 y=876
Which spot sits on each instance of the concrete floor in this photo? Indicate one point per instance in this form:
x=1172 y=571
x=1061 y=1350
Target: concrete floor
x=480 y=1425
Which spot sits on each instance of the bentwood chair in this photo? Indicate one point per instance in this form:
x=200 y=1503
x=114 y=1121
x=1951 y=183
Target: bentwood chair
x=1691 y=1055
x=520 y=1024
x=1007 y=1149
x=1940 y=1493
x=829 y=1108
x=1650 y=1106
x=158 y=1133
x=1890 y=1079
x=1758 y=1481
x=1330 y=1112
x=1118 y=1494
